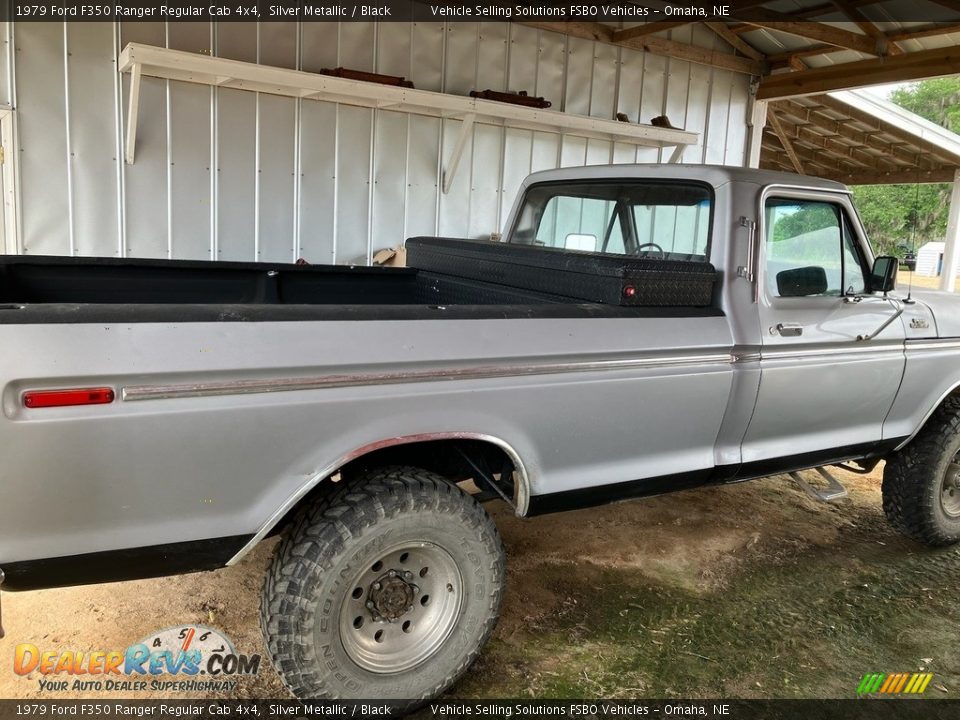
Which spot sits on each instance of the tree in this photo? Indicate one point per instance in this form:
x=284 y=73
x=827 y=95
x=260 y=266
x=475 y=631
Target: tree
x=907 y=216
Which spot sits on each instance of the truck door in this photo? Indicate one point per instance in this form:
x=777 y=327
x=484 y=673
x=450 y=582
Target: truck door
x=823 y=393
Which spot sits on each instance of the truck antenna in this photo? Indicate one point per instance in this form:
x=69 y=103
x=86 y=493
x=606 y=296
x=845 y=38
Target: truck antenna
x=913 y=243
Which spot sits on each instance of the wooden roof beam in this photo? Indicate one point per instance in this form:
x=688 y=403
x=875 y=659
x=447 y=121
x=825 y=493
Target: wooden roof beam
x=785 y=141
x=898 y=177
x=789 y=59
x=804 y=135
x=648 y=28
x=883 y=44
x=811 y=159
x=874 y=71
x=842 y=128
x=932 y=30
x=736 y=41
x=827 y=34
x=870 y=121
x=805 y=13
x=654 y=45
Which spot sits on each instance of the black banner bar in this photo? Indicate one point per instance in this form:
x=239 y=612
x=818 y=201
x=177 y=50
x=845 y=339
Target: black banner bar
x=426 y=11
x=871 y=708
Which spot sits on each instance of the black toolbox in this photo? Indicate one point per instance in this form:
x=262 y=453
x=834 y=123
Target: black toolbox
x=587 y=276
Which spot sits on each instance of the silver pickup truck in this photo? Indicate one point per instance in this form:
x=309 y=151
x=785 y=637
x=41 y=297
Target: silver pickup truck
x=640 y=329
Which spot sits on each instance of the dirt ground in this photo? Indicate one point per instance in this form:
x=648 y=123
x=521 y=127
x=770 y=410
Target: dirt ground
x=919 y=281
x=741 y=591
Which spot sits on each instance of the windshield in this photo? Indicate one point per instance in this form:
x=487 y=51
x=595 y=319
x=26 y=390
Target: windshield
x=638 y=218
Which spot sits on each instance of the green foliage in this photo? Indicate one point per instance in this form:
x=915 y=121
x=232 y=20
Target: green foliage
x=937 y=100
x=902 y=216
x=806 y=218
x=907 y=216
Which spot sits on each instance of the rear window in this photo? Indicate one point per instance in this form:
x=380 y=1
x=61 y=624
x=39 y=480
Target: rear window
x=635 y=218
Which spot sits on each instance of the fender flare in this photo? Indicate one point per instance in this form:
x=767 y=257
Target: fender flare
x=952 y=390
x=521 y=498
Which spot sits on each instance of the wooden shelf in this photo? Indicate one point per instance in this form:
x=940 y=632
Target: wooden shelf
x=146 y=60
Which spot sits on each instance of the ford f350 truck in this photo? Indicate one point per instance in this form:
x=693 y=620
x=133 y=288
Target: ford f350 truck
x=641 y=329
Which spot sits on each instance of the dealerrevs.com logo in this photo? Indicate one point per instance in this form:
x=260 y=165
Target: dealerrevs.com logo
x=186 y=652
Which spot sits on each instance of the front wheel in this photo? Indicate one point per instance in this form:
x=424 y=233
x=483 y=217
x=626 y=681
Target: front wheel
x=387 y=588
x=921 y=483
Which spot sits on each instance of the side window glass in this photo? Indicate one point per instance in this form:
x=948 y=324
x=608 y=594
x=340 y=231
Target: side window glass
x=803 y=248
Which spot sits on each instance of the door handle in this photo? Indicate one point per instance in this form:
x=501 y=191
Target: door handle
x=789 y=329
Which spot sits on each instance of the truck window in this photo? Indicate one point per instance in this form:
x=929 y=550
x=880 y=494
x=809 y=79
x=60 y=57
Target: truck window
x=810 y=250
x=638 y=218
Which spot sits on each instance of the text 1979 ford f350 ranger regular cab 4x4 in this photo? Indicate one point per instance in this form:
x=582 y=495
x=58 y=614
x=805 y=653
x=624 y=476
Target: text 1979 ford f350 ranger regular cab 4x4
x=641 y=329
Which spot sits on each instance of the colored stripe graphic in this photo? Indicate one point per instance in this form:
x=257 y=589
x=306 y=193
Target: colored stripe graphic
x=894 y=684
x=902 y=680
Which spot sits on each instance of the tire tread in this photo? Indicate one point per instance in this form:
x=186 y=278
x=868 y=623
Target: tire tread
x=908 y=501
x=324 y=529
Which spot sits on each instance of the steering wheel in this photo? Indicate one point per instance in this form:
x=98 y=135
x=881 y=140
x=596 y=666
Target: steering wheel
x=659 y=249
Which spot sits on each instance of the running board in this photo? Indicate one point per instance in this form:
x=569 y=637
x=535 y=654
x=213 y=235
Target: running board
x=833 y=491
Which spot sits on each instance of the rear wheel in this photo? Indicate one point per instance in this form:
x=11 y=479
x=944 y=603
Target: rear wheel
x=387 y=588
x=921 y=483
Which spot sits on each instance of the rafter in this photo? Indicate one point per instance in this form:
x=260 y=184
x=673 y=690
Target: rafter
x=843 y=129
x=827 y=34
x=875 y=71
x=805 y=137
x=897 y=177
x=773 y=144
x=931 y=30
x=735 y=41
x=654 y=45
x=870 y=121
x=806 y=13
x=645 y=29
x=785 y=141
x=883 y=44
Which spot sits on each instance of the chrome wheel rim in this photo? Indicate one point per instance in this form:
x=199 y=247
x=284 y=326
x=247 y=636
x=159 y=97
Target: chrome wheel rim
x=950 y=491
x=401 y=608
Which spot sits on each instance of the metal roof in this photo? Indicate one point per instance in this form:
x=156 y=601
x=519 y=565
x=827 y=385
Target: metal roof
x=857 y=138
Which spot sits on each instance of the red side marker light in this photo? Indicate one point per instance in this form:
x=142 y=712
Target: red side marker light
x=63 y=398
x=629 y=291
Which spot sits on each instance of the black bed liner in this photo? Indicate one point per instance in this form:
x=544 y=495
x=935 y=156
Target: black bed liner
x=444 y=272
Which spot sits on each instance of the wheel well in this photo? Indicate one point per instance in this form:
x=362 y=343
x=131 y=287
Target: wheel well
x=952 y=397
x=453 y=459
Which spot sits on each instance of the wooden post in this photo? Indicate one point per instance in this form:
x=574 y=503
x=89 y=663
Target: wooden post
x=951 y=248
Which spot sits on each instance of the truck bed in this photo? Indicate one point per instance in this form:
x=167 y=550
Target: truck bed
x=449 y=275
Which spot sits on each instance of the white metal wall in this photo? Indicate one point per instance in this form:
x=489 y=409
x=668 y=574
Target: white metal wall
x=234 y=175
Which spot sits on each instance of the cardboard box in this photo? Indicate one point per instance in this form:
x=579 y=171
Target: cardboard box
x=391 y=257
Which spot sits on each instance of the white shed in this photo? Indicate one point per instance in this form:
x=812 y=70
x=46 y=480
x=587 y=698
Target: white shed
x=930 y=259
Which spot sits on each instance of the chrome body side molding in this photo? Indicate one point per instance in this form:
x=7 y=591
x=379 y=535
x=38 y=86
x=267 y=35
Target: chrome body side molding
x=320 y=382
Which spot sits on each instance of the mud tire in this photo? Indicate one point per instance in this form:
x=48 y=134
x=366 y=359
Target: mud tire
x=913 y=480
x=312 y=575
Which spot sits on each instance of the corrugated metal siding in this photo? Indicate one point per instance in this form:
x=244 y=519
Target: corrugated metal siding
x=226 y=174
